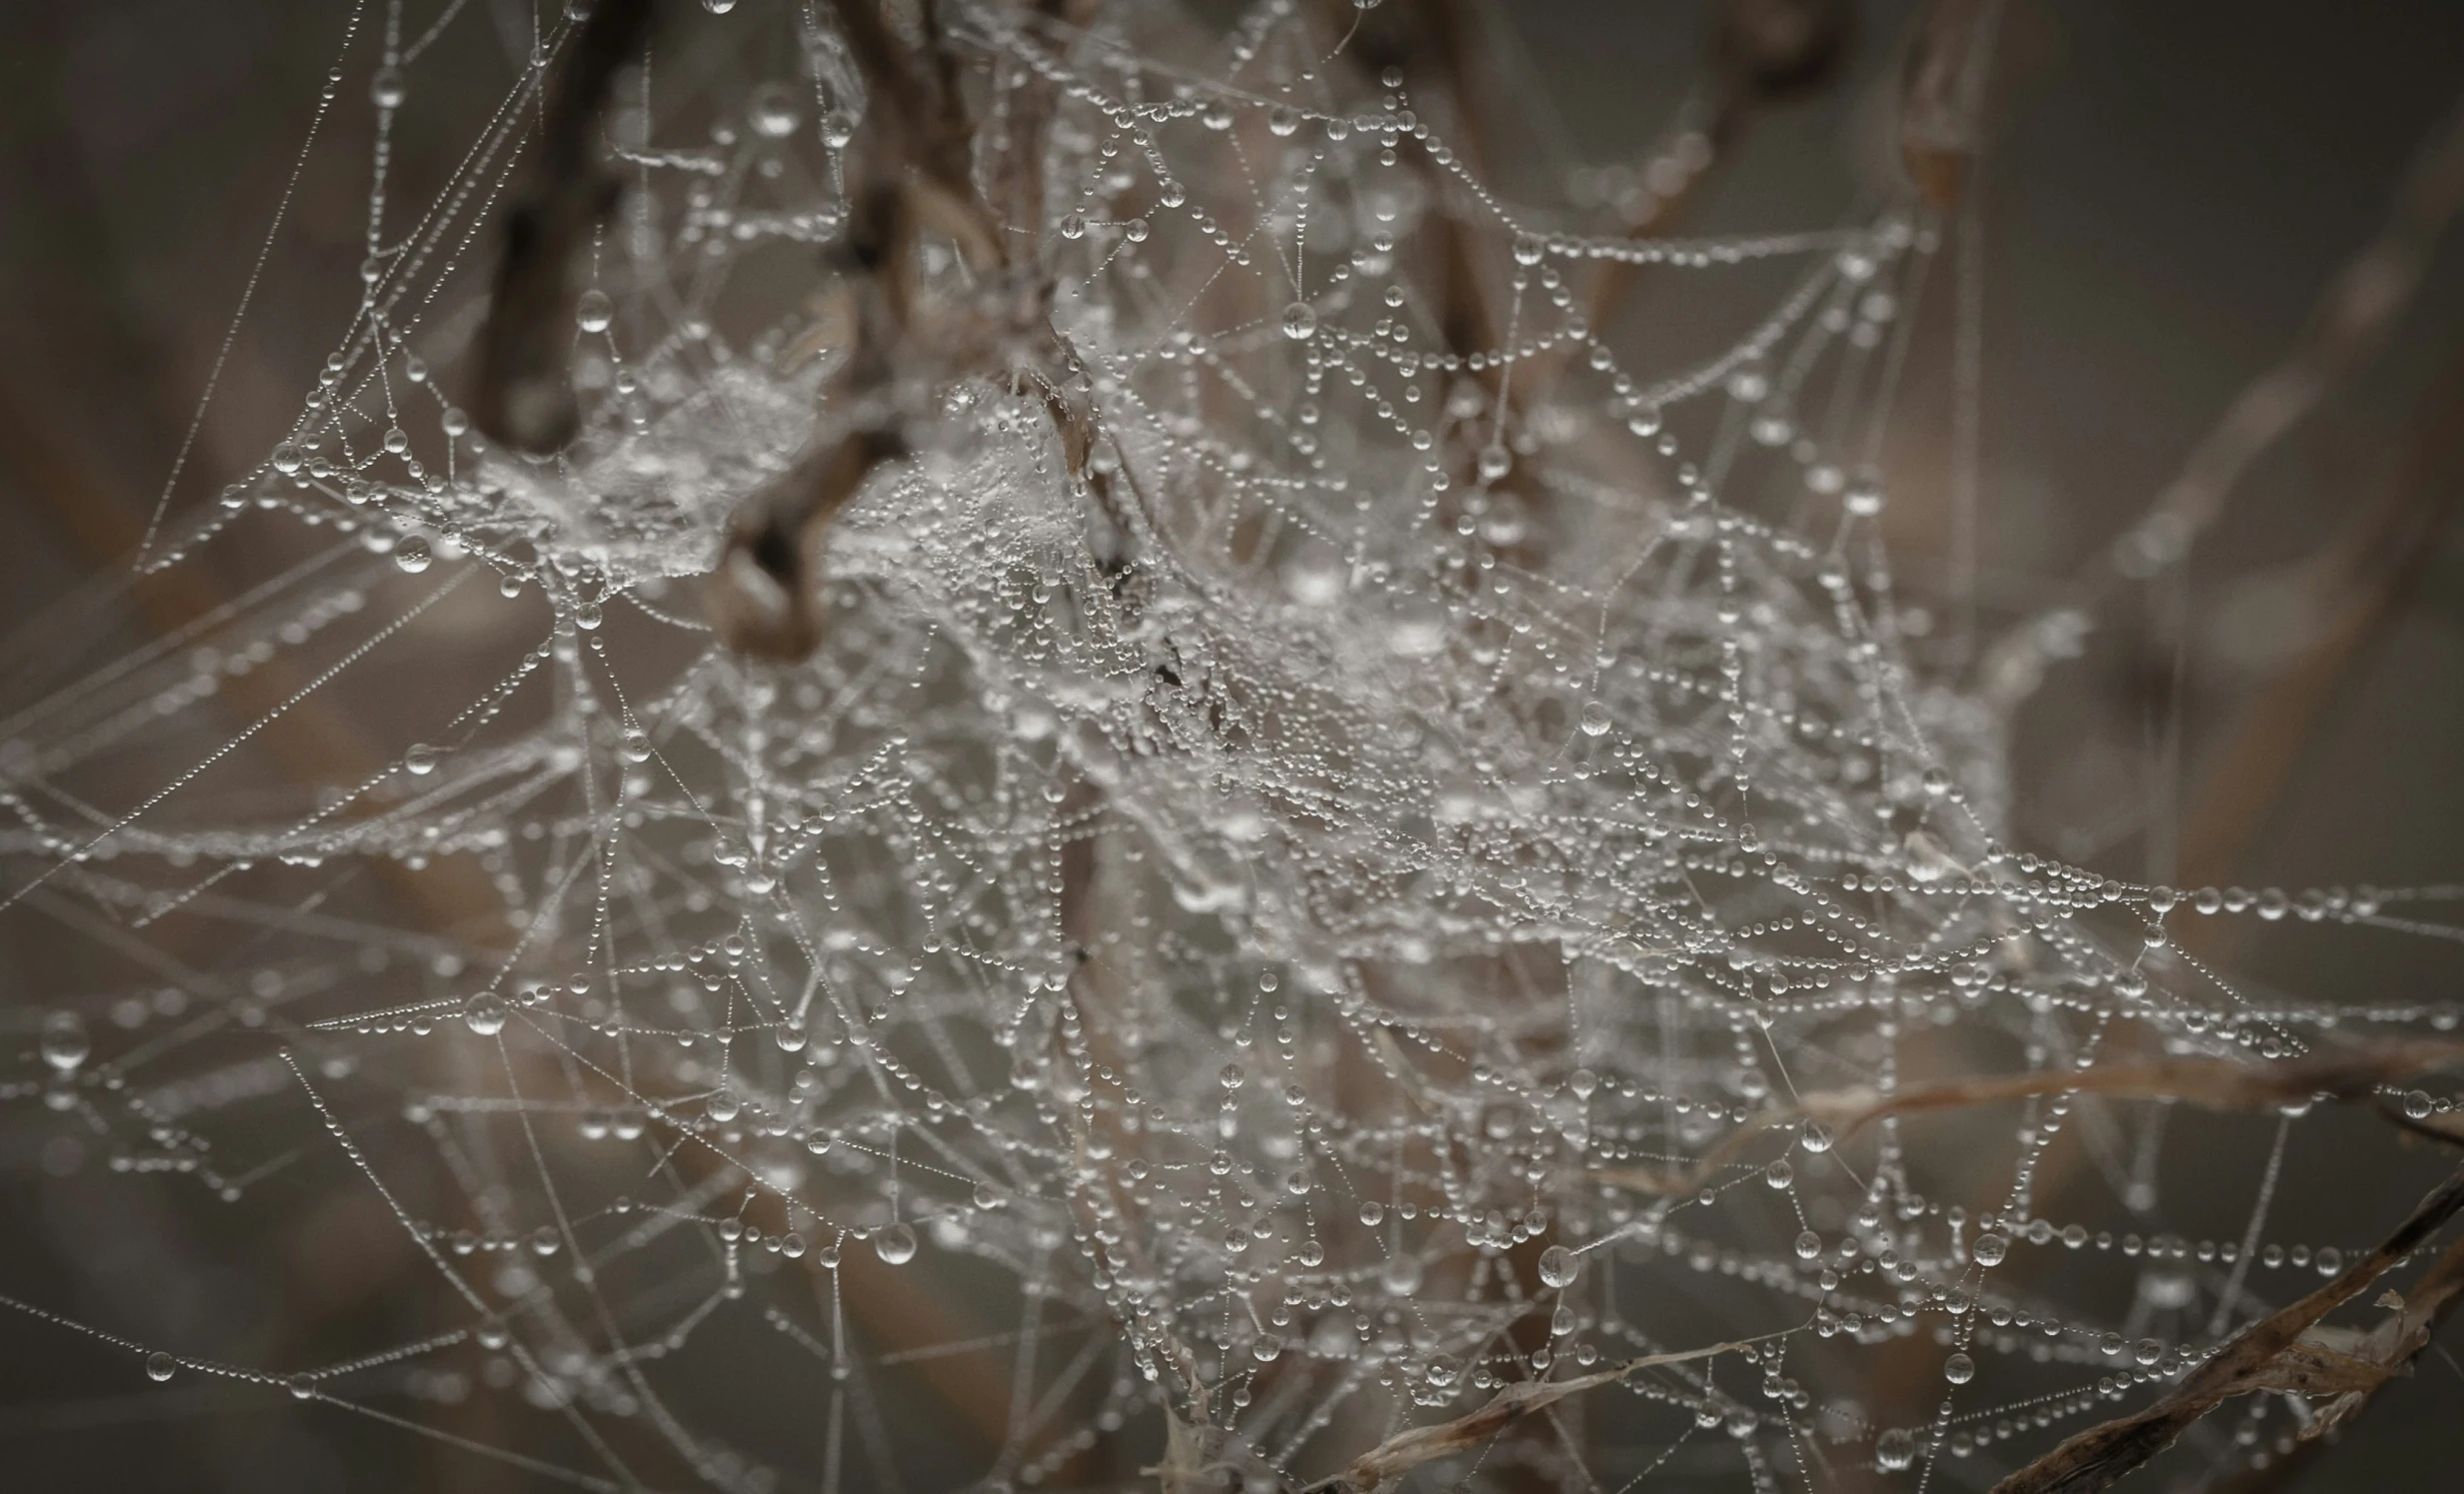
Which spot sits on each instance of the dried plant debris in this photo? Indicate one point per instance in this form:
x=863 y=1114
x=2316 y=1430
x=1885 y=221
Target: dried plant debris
x=2285 y=1351
x=1076 y=747
x=2215 y=1083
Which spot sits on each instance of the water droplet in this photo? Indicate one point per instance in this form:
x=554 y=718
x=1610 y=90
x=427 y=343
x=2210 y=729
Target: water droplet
x=1282 y=119
x=717 y=7
x=894 y=1245
x=160 y=1366
x=1496 y=462
x=64 y=1042
x=1266 y=1347
x=1528 y=249
x=1815 y=1137
x=1958 y=1369
x=421 y=760
x=286 y=459
x=772 y=110
x=412 y=554
x=1074 y=225
x=1808 y=1245
x=1594 y=719
x=1895 y=1449
x=1401 y=1276
x=1300 y=321
x=1135 y=230
x=594 y=311
x=485 y=1014
x=300 y=1386
x=2417 y=1105
x=1989 y=1249
x=387 y=89
x=1558 y=1267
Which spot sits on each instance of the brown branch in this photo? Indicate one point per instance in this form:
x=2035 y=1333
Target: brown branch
x=2278 y=1352
x=1400 y=1454
x=525 y=394
x=2350 y=323
x=2386 y=556
x=1764 y=52
x=1940 y=96
x=2214 y=1083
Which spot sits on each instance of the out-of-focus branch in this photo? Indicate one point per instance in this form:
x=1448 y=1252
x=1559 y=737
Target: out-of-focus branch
x=1942 y=95
x=2350 y=323
x=2364 y=589
x=1764 y=53
x=525 y=392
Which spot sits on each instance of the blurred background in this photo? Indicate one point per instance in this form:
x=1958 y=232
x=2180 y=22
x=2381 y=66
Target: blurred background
x=2165 y=191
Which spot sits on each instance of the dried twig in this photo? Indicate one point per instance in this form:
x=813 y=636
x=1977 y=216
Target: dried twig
x=2363 y=589
x=1940 y=94
x=525 y=396
x=2278 y=1352
x=911 y=173
x=1404 y=1451
x=2215 y=1083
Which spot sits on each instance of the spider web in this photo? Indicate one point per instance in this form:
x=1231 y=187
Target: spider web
x=1358 y=926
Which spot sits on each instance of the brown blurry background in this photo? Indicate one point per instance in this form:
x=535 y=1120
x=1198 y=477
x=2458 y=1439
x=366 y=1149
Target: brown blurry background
x=2167 y=188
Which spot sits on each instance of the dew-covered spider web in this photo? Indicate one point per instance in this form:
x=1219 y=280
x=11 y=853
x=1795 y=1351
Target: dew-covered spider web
x=1428 y=853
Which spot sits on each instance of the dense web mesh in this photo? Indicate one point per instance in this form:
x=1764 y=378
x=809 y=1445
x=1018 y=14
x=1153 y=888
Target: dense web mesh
x=1429 y=857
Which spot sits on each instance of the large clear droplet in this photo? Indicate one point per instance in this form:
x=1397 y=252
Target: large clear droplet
x=387 y=87
x=412 y=554
x=160 y=1366
x=772 y=110
x=1401 y=1275
x=485 y=1014
x=1958 y=1369
x=594 y=311
x=1558 y=1267
x=1989 y=1249
x=896 y=1245
x=64 y=1042
x=1895 y=1449
x=1300 y=321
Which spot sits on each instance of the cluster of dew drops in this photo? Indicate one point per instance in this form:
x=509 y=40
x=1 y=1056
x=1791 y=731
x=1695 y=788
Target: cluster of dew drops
x=1299 y=918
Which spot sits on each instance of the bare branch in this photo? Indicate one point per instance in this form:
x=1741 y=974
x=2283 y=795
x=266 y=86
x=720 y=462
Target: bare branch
x=525 y=396
x=2270 y=1354
x=1404 y=1451
x=2215 y=1083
